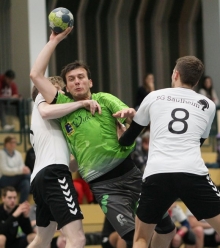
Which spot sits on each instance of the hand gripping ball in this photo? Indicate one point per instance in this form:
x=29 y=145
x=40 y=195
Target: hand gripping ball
x=60 y=19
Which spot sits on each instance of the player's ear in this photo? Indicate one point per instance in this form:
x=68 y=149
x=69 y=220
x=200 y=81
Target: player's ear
x=176 y=75
x=90 y=83
x=67 y=89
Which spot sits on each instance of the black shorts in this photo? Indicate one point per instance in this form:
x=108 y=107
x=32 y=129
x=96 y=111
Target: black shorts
x=20 y=242
x=159 y=191
x=210 y=241
x=118 y=199
x=55 y=196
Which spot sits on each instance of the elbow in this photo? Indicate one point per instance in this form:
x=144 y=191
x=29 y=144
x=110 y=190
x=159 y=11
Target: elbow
x=45 y=114
x=33 y=75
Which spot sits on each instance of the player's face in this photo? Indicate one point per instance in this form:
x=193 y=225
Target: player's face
x=8 y=80
x=78 y=84
x=10 y=146
x=10 y=200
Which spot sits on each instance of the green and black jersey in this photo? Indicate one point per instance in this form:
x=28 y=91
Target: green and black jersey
x=92 y=139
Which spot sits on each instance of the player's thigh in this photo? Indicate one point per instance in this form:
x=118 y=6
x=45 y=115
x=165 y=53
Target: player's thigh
x=61 y=196
x=118 y=199
x=157 y=194
x=200 y=195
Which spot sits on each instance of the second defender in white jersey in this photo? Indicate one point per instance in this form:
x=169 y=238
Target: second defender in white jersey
x=51 y=180
x=177 y=116
x=47 y=140
x=180 y=122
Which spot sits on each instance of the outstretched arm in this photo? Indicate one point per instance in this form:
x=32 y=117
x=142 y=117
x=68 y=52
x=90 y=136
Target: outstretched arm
x=127 y=113
x=54 y=111
x=38 y=70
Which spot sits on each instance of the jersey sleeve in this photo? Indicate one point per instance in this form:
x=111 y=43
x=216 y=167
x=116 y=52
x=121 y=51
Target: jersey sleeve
x=113 y=104
x=142 y=117
x=61 y=98
x=209 y=125
x=39 y=99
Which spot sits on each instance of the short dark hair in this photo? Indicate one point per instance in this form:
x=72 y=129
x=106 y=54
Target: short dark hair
x=8 y=139
x=72 y=66
x=10 y=74
x=6 y=189
x=190 y=69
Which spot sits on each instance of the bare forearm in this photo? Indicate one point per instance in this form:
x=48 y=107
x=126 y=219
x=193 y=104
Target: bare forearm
x=55 y=111
x=38 y=70
x=42 y=60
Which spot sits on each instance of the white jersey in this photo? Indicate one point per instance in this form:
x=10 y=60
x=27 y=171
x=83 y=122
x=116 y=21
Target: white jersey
x=47 y=140
x=179 y=118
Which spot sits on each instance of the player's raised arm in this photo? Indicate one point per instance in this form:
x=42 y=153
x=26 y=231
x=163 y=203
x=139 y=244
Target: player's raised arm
x=38 y=70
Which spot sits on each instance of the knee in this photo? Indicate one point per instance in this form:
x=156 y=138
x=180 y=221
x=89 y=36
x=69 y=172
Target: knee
x=176 y=241
x=199 y=232
x=166 y=226
x=2 y=240
x=76 y=241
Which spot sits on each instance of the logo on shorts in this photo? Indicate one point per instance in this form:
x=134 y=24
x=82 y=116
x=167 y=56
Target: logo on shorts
x=121 y=219
x=204 y=103
x=69 y=128
x=213 y=186
x=67 y=195
x=104 y=203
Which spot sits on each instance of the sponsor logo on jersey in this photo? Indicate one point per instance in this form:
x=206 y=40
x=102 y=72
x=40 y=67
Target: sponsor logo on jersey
x=179 y=100
x=204 y=103
x=69 y=128
x=82 y=116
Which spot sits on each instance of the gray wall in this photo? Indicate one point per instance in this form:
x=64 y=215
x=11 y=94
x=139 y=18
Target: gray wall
x=122 y=40
x=20 y=45
x=211 y=34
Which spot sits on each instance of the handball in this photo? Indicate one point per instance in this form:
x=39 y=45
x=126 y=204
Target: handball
x=60 y=19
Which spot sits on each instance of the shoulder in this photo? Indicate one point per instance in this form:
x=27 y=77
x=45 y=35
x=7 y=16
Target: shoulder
x=201 y=97
x=203 y=100
x=104 y=96
x=101 y=95
x=39 y=99
x=62 y=98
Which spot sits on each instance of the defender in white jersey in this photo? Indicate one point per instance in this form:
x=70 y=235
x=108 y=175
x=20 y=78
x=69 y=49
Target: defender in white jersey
x=51 y=180
x=180 y=122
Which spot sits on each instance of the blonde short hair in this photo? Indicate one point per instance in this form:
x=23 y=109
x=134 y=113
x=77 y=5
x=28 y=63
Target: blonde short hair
x=54 y=80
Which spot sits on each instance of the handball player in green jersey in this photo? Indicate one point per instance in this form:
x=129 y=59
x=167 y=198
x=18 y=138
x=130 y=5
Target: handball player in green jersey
x=102 y=162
